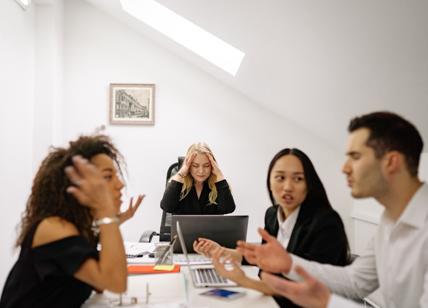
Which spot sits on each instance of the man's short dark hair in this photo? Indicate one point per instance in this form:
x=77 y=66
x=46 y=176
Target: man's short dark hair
x=391 y=132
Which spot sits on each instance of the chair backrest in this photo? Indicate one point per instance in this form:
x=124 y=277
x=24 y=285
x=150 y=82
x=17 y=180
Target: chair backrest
x=165 y=226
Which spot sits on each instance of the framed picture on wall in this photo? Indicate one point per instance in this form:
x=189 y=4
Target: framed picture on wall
x=132 y=104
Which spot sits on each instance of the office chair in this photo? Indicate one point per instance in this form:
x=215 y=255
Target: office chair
x=165 y=225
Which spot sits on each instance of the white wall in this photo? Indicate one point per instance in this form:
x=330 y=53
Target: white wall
x=49 y=73
x=423 y=168
x=55 y=86
x=190 y=106
x=55 y=82
x=16 y=122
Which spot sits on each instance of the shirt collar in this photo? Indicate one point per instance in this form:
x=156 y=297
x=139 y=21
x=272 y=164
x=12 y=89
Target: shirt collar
x=287 y=225
x=415 y=213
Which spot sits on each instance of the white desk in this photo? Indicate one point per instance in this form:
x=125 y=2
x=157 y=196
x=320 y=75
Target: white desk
x=169 y=289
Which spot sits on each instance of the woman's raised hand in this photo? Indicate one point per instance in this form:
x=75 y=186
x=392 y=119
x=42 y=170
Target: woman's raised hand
x=132 y=208
x=90 y=188
x=205 y=246
x=215 y=169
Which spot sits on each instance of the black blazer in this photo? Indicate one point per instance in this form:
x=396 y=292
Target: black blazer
x=318 y=235
x=192 y=205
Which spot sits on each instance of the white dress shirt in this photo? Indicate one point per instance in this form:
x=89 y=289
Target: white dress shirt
x=286 y=226
x=395 y=260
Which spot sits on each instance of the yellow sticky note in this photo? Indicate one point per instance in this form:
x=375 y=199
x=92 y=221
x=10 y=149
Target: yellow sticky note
x=164 y=267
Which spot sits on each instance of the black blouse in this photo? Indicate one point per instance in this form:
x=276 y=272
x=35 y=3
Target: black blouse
x=43 y=276
x=191 y=205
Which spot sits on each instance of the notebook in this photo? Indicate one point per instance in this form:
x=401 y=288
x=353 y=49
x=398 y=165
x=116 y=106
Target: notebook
x=203 y=276
x=150 y=269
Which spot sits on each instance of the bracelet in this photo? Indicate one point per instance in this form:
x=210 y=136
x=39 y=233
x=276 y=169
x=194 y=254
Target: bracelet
x=106 y=221
x=180 y=175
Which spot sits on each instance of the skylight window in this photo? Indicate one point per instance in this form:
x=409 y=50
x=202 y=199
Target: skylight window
x=24 y=3
x=186 y=33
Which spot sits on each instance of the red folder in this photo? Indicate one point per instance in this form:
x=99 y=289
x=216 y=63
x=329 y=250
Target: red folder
x=149 y=269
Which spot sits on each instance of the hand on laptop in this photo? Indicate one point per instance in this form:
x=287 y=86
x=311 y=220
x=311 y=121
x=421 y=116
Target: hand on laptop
x=226 y=266
x=205 y=247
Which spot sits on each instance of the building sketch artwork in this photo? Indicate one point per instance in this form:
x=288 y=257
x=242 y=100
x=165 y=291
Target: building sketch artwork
x=128 y=106
x=132 y=104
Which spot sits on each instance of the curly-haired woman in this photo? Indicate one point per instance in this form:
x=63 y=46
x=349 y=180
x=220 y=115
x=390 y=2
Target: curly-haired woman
x=75 y=191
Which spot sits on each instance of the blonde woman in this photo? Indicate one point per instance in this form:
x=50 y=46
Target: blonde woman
x=199 y=187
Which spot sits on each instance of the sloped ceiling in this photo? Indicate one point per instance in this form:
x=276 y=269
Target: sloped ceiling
x=315 y=63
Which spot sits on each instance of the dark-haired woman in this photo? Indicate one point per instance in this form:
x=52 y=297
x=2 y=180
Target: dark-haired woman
x=301 y=218
x=75 y=190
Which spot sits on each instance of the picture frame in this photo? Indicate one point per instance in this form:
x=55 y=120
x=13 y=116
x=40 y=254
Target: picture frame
x=132 y=104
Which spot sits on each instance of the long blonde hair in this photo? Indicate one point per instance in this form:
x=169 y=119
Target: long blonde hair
x=200 y=148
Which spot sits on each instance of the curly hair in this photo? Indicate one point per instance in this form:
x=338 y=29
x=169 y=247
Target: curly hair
x=48 y=194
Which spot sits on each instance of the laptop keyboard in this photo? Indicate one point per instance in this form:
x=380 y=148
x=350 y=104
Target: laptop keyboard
x=209 y=276
x=194 y=259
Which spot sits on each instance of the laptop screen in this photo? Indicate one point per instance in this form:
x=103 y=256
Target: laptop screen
x=182 y=243
x=225 y=230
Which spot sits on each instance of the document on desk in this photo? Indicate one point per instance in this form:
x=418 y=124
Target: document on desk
x=136 y=269
x=139 y=253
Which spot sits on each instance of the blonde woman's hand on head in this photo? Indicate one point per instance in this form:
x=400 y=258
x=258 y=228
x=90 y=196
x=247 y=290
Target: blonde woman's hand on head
x=205 y=246
x=90 y=188
x=187 y=163
x=215 y=169
x=132 y=209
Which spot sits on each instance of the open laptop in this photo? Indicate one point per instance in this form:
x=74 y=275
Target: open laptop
x=203 y=276
x=225 y=230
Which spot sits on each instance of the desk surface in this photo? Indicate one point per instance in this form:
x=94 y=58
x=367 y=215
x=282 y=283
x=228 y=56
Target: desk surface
x=169 y=290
